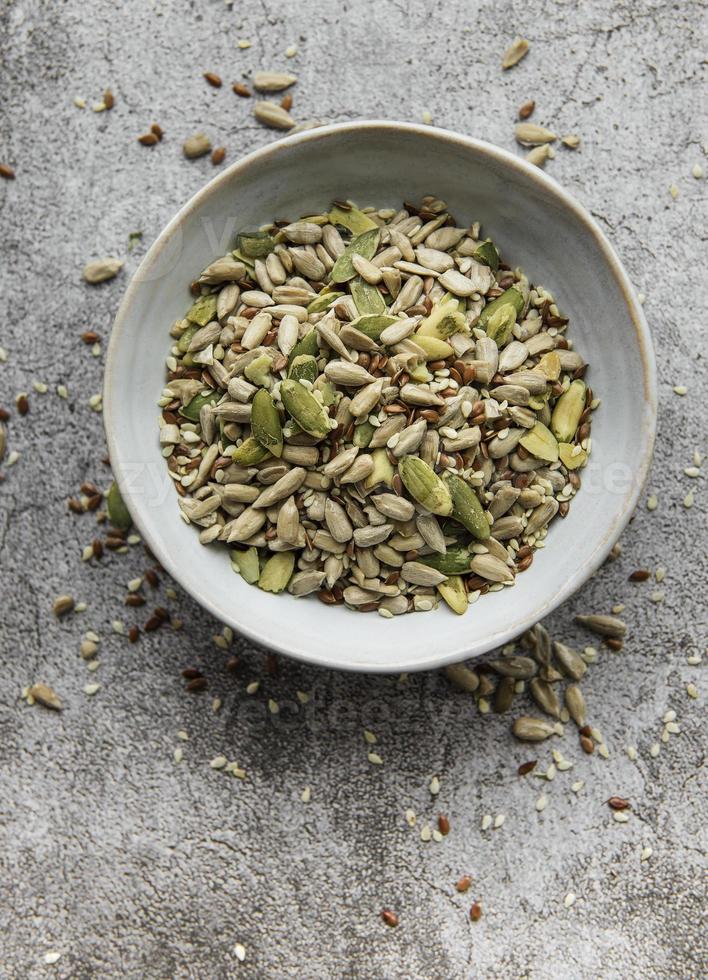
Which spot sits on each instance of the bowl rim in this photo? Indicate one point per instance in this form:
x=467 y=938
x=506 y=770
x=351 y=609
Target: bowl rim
x=482 y=148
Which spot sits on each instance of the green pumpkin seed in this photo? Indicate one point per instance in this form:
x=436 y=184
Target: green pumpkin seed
x=541 y=443
x=500 y=324
x=303 y=366
x=265 y=423
x=355 y=220
x=372 y=325
x=192 y=409
x=203 y=309
x=255 y=244
x=186 y=338
x=487 y=254
x=250 y=452
x=277 y=572
x=367 y=298
x=510 y=295
x=247 y=564
x=466 y=508
x=118 y=513
x=566 y=414
x=304 y=408
x=308 y=345
x=455 y=561
x=323 y=301
x=425 y=486
x=363 y=434
x=454 y=593
x=364 y=245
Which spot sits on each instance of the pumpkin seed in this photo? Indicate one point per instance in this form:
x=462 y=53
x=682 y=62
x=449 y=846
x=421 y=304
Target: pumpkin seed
x=265 y=423
x=365 y=245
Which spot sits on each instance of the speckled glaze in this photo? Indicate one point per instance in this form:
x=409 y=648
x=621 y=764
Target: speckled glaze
x=536 y=225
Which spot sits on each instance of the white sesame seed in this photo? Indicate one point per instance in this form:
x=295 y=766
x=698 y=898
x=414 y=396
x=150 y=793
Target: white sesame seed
x=577 y=786
x=542 y=802
x=91 y=689
x=426 y=833
x=654 y=750
x=434 y=786
x=688 y=500
x=697 y=171
x=306 y=795
x=631 y=753
x=569 y=900
x=370 y=737
x=692 y=691
x=51 y=957
x=181 y=734
x=646 y=853
x=652 y=502
x=499 y=821
x=240 y=952
x=218 y=762
x=252 y=687
x=486 y=821
x=375 y=759
x=680 y=390
x=178 y=755
x=621 y=816
x=410 y=818
x=427 y=117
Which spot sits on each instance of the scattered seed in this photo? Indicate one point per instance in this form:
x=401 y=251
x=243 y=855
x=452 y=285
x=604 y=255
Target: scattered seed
x=63 y=605
x=241 y=89
x=517 y=50
x=463 y=884
x=45 y=695
x=196 y=146
x=526 y=109
x=476 y=912
x=213 y=79
x=6 y=171
x=217 y=155
x=390 y=918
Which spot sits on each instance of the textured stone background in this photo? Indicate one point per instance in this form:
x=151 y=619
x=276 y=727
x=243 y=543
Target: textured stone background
x=129 y=865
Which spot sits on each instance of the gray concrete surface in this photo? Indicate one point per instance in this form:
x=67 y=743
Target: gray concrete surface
x=130 y=865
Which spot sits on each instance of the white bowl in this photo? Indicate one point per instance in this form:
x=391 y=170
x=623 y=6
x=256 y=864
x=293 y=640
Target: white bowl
x=538 y=226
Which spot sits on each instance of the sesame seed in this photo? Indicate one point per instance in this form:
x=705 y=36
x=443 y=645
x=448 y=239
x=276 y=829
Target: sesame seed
x=697 y=171
x=426 y=833
x=692 y=691
x=654 y=750
x=688 y=500
x=499 y=821
x=620 y=816
x=680 y=390
x=652 y=502
x=370 y=737
x=410 y=818
x=486 y=821
x=577 y=786
x=631 y=753
x=181 y=734
x=542 y=802
x=306 y=795
x=91 y=689
x=178 y=755
x=375 y=759
x=252 y=687
x=646 y=853
x=240 y=952
x=273 y=706
x=434 y=786
x=51 y=957
x=218 y=762
x=569 y=900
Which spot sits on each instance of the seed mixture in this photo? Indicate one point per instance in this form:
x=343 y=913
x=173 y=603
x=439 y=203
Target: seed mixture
x=371 y=406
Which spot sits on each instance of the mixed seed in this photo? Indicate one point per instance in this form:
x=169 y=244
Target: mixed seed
x=371 y=406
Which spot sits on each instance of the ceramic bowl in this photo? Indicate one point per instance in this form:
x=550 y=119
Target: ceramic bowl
x=538 y=226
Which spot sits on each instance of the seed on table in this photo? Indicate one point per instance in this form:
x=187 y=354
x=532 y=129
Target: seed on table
x=217 y=155
x=603 y=625
x=443 y=825
x=157 y=130
x=6 y=171
x=196 y=146
x=476 y=912
x=133 y=634
x=463 y=884
x=587 y=745
x=148 y=139
x=618 y=803
x=526 y=108
x=517 y=50
x=213 y=79
x=389 y=917
x=640 y=575
x=526 y=767
x=63 y=605
x=46 y=696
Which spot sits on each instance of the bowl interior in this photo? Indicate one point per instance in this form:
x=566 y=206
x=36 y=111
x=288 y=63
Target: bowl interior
x=537 y=227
